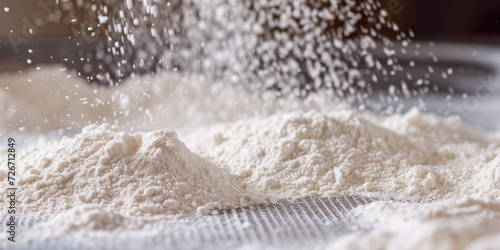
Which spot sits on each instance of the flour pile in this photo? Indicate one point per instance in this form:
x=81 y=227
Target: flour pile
x=142 y=173
x=258 y=149
x=347 y=153
x=454 y=224
x=282 y=156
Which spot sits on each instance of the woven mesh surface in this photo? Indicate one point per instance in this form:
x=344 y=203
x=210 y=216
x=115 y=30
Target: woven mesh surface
x=307 y=223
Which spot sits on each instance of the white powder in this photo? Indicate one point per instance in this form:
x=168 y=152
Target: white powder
x=104 y=177
x=453 y=224
x=89 y=217
x=347 y=153
x=142 y=173
x=91 y=221
x=46 y=100
x=309 y=46
x=257 y=148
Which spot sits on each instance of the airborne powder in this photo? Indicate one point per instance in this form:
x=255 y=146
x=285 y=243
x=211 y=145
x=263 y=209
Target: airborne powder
x=41 y=101
x=250 y=157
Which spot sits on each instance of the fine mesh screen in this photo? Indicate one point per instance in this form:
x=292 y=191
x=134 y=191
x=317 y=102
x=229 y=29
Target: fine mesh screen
x=310 y=223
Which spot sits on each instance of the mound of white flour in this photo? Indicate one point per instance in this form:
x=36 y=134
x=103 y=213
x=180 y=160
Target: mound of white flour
x=453 y=224
x=282 y=156
x=349 y=153
x=142 y=173
x=247 y=149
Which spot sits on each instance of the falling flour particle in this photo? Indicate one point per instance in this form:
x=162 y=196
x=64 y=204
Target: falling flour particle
x=52 y=101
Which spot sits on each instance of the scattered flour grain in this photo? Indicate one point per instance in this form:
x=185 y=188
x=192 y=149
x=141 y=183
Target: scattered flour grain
x=41 y=101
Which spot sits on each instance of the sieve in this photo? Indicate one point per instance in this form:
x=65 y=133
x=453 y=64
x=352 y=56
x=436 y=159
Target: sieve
x=305 y=223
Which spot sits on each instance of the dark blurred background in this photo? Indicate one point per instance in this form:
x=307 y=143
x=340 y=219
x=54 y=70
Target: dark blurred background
x=448 y=20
